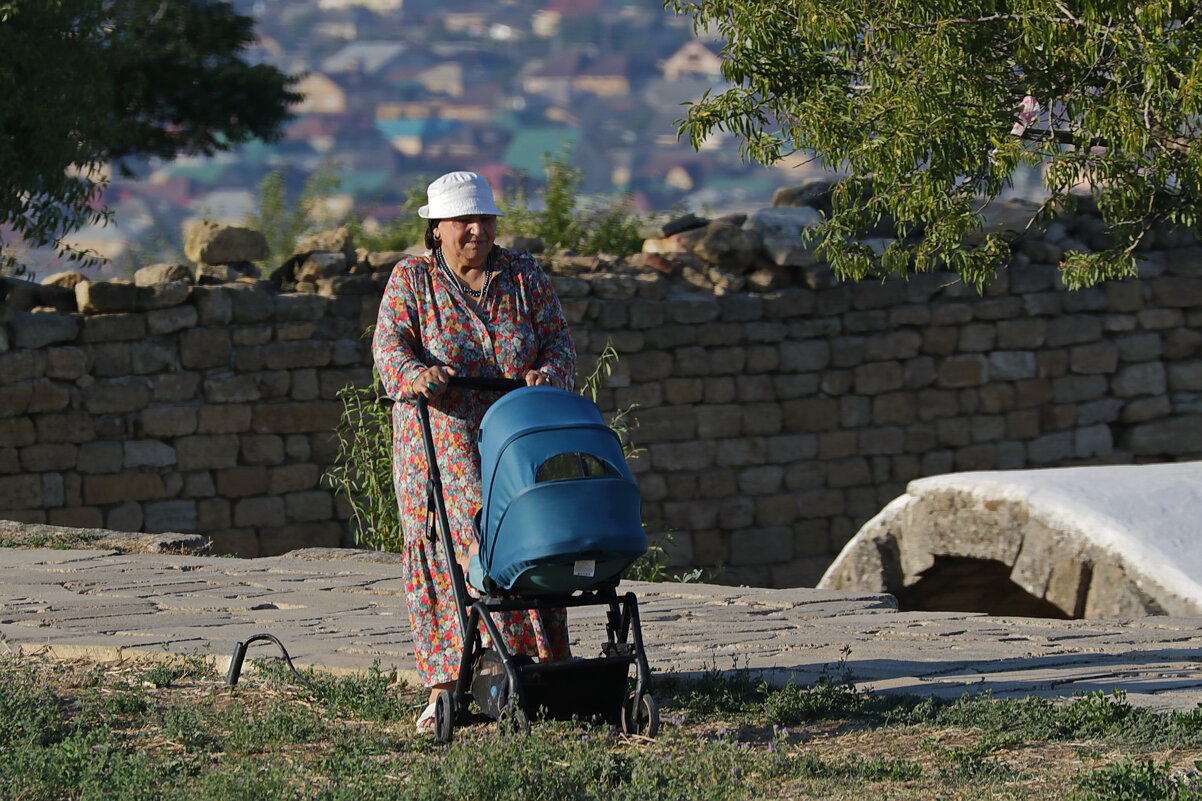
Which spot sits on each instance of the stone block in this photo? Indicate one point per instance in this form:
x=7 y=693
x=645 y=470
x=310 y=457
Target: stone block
x=204 y=348
x=105 y=297
x=240 y=542
x=66 y=363
x=282 y=539
x=687 y=455
x=230 y=388
x=303 y=507
x=175 y=515
x=1094 y=358
x=1073 y=330
x=1139 y=379
x=125 y=517
x=22 y=365
x=162 y=296
x=1178 y=436
x=755 y=389
x=291 y=355
x=762 y=359
x=1011 y=365
x=810 y=414
x=692 y=361
x=168 y=321
x=260 y=512
x=99 y=490
x=761 y=546
x=717 y=421
x=20 y=492
x=262 y=449
x=111 y=359
x=152 y=356
x=76 y=517
x=250 y=303
x=292 y=418
x=761 y=419
x=49 y=457
x=206 y=452
x=147 y=453
x=290 y=306
x=118 y=395
x=761 y=480
x=37 y=330
x=878 y=377
x=1052 y=449
x=241 y=482
x=168 y=421
x=294 y=478
x=175 y=387
x=1078 y=388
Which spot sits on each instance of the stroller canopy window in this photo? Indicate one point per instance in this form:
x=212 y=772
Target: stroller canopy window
x=565 y=466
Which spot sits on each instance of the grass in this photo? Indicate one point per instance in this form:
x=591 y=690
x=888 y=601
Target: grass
x=175 y=732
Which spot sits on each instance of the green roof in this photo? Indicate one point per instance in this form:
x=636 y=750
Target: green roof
x=362 y=182
x=529 y=146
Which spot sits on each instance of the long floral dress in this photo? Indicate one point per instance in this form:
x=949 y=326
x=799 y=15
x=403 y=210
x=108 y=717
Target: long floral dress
x=426 y=320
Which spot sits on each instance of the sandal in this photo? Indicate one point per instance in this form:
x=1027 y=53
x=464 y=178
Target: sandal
x=425 y=721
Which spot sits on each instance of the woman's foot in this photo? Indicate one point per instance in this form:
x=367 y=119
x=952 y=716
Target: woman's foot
x=425 y=721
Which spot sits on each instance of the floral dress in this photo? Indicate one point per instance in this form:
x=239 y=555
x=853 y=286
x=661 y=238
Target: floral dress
x=426 y=320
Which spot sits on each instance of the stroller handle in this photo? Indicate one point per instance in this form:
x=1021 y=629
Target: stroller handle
x=479 y=384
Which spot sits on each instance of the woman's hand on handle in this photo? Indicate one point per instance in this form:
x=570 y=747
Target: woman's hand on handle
x=432 y=381
x=536 y=378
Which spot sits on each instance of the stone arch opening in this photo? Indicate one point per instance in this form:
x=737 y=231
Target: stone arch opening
x=964 y=584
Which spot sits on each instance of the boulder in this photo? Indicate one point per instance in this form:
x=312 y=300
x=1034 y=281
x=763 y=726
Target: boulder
x=337 y=240
x=321 y=264
x=67 y=279
x=163 y=296
x=162 y=274
x=815 y=193
x=224 y=273
x=727 y=246
x=780 y=234
x=212 y=243
x=106 y=297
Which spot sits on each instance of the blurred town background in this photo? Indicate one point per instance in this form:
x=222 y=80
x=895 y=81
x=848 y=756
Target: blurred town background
x=398 y=92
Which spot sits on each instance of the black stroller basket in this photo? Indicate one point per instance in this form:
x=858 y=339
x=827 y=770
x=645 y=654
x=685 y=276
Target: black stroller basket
x=514 y=689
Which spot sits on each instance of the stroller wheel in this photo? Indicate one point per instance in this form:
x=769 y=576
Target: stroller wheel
x=444 y=717
x=513 y=719
x=640 y=715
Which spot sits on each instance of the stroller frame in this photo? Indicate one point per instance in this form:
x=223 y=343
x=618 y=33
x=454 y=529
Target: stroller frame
x=533 y=688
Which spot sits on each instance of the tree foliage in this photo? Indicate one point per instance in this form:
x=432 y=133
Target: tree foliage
x=930 y=106
x=90 y=84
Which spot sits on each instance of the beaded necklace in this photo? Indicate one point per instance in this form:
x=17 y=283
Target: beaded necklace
x=489 y=269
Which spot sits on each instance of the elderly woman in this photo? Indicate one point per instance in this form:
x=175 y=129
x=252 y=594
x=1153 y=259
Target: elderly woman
x=468 y=308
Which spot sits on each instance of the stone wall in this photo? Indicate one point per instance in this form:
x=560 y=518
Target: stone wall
x=773 y=423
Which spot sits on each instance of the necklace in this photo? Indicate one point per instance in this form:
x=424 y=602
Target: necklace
x=471 y=293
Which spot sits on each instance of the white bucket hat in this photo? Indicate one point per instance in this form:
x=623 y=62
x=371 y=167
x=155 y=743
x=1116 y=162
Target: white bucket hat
x=458 y=194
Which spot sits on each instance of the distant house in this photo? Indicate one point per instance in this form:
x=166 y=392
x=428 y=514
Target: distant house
x=693 y=58
x=548 y=21
x=606 y=77
x=363 y=57
x=555 y=77
x=443 y=79
x=323 y=95
x=413 y=137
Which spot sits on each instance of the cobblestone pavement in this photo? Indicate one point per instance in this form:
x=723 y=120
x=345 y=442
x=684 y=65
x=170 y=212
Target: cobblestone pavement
x=341 y=610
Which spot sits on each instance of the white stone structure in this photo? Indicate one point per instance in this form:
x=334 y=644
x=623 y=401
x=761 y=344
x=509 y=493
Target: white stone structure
x=1105 y=541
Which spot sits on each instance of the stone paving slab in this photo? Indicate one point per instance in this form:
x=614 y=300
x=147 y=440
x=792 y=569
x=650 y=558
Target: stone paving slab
x=340 y=611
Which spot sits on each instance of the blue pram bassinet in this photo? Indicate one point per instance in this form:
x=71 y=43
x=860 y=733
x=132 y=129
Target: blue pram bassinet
x=560 y=508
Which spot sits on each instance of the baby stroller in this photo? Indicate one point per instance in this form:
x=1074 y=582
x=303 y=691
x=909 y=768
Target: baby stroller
x=559 y=522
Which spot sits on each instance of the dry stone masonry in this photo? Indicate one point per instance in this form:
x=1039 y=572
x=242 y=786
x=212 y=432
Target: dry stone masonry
x=777 y=409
